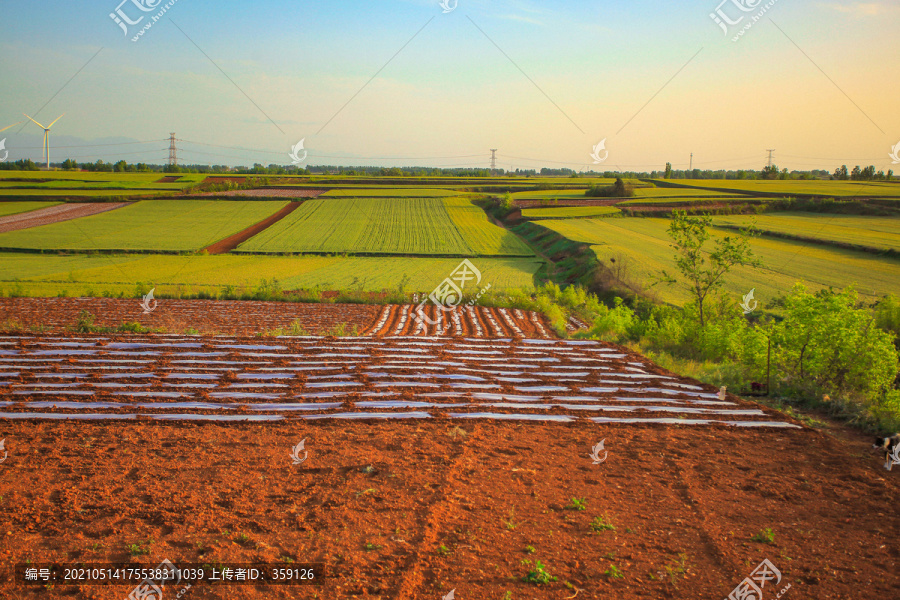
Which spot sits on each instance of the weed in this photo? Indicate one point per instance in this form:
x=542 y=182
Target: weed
x=507 y=595
x=539 y=575
x=364 y=492
x=766 y=536
x=286 y=559
x=510 y=523
x=443 y=550
x=613 y=572
x=675 y=568
x=577 y=504
x=602 y=524
x=138 y=549
x=457 y=431
x=530 y=549
x=371 y=547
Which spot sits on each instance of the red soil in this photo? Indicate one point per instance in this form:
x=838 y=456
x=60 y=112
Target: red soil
x=232 y=242
x=56 y=214
x=560 y=203
x=412 y=509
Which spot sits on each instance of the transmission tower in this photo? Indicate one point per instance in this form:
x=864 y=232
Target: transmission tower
x=493 y=161
x=770 y=155
x=173 y=152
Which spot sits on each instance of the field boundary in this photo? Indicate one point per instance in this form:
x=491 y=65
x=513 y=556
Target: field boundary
x=885 y=252
x=232 y=241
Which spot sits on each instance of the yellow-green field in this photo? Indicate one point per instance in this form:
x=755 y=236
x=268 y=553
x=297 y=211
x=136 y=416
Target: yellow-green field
x=570 y=212
x=881 y=233
x=176 y=225
x=82 y=275
x=837 y=189
x=643 y=247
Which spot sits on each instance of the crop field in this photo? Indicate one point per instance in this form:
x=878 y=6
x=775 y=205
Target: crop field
x=878 y=233
x=685 y=200
x=645 y=248
x=570 y=212
x=95 y=275
x=837 y=189
x=426 y=226
x=176 y=225
x=96 y=179
x=15 y=208
x=391 y=192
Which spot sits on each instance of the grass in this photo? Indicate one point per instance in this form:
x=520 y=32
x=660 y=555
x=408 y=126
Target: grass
x=674 y=569
x=570 y=212
x=642 y=246
x=390 y=192
x=418 y=226
x=164 y=225
x=879 y=233
x=15 y=208
x=173 y=276
x=613 y=572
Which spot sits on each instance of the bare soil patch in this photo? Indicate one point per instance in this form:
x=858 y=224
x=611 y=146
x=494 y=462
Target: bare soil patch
x=232 y=242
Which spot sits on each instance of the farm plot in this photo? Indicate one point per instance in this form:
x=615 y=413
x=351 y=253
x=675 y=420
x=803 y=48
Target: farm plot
x=414 y=226
x=836 y=189
x=877 y=233
x=644 y=248
x=93 y=275
x=570 y=212
x=14 y=208
x=176 y=225
x=217 y=378
x=55 y=213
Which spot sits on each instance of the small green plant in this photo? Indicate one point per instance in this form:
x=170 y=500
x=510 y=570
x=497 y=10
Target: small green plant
x=675 y=568
x=365 y=492
x=538 y=575
x=602 y=524
x=443 y=550
x=577 y=504
x=766 y=536
x=138 y=549
x=613 y=572
x=84 y=322
x=510 y=523
x=370 y=547
x=507 y=595
x=286 y=559
x=243 y=538
x=530 y=549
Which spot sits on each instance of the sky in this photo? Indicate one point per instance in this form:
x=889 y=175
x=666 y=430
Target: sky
x=402 y=82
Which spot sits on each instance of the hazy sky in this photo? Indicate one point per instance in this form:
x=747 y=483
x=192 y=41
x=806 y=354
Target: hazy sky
x=542 y=82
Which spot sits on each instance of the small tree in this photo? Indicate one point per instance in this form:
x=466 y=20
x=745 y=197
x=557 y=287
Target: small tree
x=704 y=270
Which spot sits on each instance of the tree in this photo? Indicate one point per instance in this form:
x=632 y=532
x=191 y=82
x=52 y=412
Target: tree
x=770 y=172
x=668 y=170
x=703 y=270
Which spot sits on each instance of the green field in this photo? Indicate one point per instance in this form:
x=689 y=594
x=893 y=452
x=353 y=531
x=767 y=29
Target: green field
x=390 y=192
x=10 y=193
x=686 y=199
x=15 y=208
x=163 y=225
x=94 y=275
x=835 y=189
x=880 y=233
x=642 y=246
x=424 y=226
x=570 y=212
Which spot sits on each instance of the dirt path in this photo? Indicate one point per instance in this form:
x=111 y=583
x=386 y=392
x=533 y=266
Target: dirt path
x=232 y=242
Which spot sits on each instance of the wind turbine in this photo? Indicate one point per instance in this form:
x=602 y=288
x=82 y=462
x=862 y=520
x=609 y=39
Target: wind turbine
x=10 y=127
x=46 y=135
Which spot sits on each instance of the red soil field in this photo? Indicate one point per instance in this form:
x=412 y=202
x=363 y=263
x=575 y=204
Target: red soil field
x=429 y=474
x=56 y=214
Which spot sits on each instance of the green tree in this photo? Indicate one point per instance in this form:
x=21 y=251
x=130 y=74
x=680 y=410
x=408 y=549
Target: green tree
x=703 y=270
x=668 y=170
